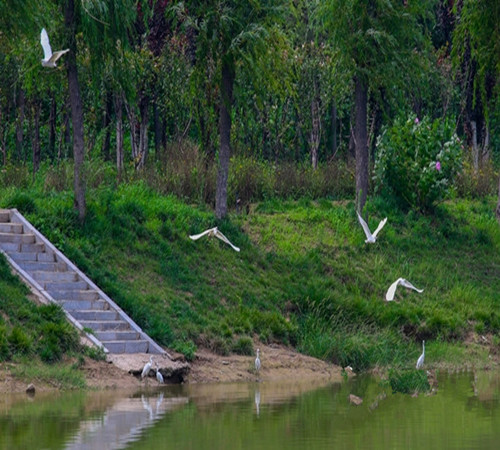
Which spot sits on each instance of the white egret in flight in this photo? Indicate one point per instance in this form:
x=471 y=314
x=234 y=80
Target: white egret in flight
x=50 y=58
x=389 y=296
x=371 y=237
x=214 y=232
x=420 y=361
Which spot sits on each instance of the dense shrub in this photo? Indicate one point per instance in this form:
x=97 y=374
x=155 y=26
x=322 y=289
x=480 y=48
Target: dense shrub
x=417 y=161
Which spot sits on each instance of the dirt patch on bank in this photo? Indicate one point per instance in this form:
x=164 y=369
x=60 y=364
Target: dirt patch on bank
x=123 y=371
x=278 y=363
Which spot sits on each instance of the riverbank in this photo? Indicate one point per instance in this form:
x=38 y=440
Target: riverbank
x=279 y=363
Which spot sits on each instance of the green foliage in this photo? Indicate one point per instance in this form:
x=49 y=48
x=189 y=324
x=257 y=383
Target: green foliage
x=95 y=353
x=408 y=381
x=418 y=160
x=19 y=341
x=243 y=346
x=4 y=344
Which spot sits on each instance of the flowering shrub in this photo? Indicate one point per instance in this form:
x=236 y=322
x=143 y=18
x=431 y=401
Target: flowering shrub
x=417 y=161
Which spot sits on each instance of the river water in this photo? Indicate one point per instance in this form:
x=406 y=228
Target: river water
x=463 y=414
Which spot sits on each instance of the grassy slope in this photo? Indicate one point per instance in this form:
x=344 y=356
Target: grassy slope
x=304 y=275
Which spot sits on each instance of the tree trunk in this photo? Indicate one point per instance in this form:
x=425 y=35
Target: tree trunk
x=334 y=129
x=361 y=142
x=226 y=98
x=52 y=125
x=498 y=204
x=36 y=137
x=143 y=131
x=315 y=132
x=158 y=127
x=106 y=122
x=20 y=124
x=118 y=100
x=76 y=111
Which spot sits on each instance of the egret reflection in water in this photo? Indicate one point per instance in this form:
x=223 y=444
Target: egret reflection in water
x=124 y=422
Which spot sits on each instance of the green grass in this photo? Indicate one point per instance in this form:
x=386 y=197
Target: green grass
x=59 y=375
x=304 y=276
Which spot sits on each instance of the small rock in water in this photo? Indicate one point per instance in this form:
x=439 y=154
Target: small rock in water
x=355 y=400
x=31 y=389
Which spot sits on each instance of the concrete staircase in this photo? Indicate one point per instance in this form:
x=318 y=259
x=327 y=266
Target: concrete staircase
x=56 y=279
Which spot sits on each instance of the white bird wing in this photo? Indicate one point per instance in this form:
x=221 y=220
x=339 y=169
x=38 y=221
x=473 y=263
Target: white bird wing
x=56 y=55
x=198 y=236
x=380 y=226
x=225 y=239
x=408 y=285
x=389 y=296
x=365 y=227
x=44 y=40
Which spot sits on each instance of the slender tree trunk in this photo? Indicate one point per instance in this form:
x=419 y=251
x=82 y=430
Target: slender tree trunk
x=3 y=147
x=118 y=100
x=226 y=98
x=76 y=111
x=498 y=204
x=143 y=131
x=36 y=137
x=361 y=142
x=20 y=124
x=334 y=128
x=52 y=125
x=315 y=136
x=106 y=122
x=158 y=127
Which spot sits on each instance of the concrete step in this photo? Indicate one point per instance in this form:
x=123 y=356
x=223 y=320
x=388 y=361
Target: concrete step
x=10 y=227
x=95 y=315
x=106 y=336
x=138 y=346
x=4 y=216
x=37 y=247
x=105 y=325
x=40 y=266
x=86 y=294
x=78 y=305
x=73 y=285
x=25 y=238
x=32 y=256
x=10 y=246
x=54 y=277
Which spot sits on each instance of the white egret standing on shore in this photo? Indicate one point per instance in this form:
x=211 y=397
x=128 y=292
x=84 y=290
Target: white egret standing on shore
x=257 y=362
x=420 y=361
x=159 y=376
x=147 y=368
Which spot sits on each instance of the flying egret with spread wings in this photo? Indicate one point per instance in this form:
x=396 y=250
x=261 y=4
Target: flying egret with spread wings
x=371 y=237
x=214 y=232
x=50 y=58
x=389 y=296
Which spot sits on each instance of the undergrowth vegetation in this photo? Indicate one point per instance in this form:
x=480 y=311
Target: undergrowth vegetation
x=304 y=276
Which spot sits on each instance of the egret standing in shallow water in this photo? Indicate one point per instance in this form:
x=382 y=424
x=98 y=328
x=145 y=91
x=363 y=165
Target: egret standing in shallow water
x=257 y=362
x=147 y=368
x=420 y=361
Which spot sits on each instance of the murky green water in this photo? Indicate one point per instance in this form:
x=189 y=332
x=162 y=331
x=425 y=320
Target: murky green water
x=465 y=413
